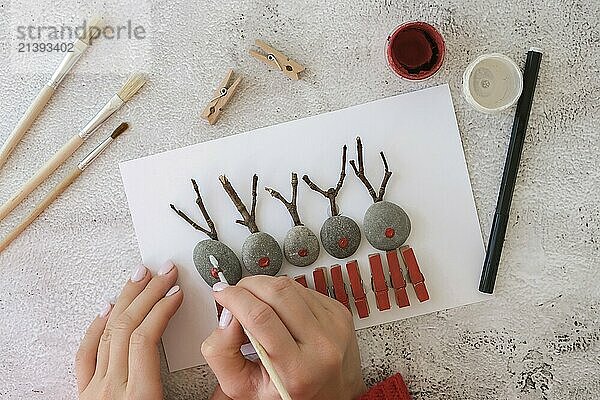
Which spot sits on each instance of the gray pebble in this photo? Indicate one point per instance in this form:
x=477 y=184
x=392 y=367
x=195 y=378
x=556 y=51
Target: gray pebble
x=386 y=225
x=340 y=236
x=228 y=261
x=261 y=254
x=301 y=246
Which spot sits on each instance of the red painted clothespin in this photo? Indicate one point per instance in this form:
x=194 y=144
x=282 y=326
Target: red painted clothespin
x=378 y=282
x=398 y=281
x=414 y=273
x=301 y=279
x=339 y=287
x=358 y=290
x=320 y=278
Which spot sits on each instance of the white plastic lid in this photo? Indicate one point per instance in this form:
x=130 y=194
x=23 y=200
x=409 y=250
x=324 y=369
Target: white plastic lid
x=492 y=83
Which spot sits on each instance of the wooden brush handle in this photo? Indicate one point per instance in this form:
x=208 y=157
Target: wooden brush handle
x=50 y=197
x=25 y=123
x=266 y=362
x=41 y=175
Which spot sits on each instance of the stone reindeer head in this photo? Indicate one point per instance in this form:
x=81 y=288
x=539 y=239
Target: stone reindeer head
x=386 y=225
x=227 y=259
x=340 y=235
x=300 y=247
x=261 y=254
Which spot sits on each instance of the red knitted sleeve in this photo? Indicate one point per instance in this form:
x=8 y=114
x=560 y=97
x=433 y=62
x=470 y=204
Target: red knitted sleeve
x=393 y=388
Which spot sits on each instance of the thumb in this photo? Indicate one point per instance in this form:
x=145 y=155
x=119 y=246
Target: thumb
x=236 y=375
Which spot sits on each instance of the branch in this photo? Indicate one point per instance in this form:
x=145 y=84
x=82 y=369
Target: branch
x=313 y=186
x=291 y=206
x=331 y=193
x=212 y=233
x=343 y=172
x=386 y=178
x=254 y=195
x=360 y=171
x=248 y=219
x=294 y=188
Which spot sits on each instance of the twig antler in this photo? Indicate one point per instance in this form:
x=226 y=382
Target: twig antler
x=212 y=233
x=360 y=173
x=249 y=218
x=331 y=193
x=292 y=205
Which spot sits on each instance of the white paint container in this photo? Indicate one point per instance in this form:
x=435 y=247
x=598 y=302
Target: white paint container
x=492 y=83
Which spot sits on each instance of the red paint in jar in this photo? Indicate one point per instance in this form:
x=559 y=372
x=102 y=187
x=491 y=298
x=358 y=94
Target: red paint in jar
x=415 y=50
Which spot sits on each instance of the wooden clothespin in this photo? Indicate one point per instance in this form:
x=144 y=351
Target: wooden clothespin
x=379 y=283
x=222 y=95
x=358 y=290
x=277 y=59
x=339 y=287
x=301 y=279
x=320 y=279
x=414 y=273
x=398 y=281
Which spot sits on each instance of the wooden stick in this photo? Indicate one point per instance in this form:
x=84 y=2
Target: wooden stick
x=41 y=175
x=266 y=362
x=34 y=110
x=61 y=187
x=260 y=350
x=127 y=91
x=386 y=177
x=360 y=173
x=331 y=193
x=25 y=123
x=211 y=232
x=292 y=205
x=249 y=218
x=57 y=191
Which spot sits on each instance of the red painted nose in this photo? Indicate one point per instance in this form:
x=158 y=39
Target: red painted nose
x=264 y=262
x=303 y=252
x=343 y=243
x=214 y=273
x=390 y=232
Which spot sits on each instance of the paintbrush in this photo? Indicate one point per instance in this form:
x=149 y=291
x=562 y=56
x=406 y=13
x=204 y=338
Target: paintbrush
x=260 y=350
x=130 y=88
x=61 y=187
x=38 y=104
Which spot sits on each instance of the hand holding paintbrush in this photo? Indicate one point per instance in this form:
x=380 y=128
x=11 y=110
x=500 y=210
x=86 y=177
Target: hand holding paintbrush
x=305 y=341
x=226 y=318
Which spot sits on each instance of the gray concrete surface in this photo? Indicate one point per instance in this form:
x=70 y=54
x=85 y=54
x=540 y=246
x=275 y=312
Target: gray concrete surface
x=537 y=339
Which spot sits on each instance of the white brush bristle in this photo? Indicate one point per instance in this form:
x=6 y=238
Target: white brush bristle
x=92 y=31
x=132 y=86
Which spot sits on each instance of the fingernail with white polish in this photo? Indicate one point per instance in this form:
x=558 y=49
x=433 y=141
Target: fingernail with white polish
x=219 y=286
x=225 y=319
x=166 y=268
x=172 y=291
x=104 y=310
x=138 y=273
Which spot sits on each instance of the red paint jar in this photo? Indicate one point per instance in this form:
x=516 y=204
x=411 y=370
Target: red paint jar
x=415 y=51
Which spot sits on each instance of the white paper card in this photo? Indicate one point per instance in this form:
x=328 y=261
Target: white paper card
x=419 y=134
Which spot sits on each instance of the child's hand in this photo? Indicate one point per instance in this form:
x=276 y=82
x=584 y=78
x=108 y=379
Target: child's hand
x=118 y=357
x=309 y=337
